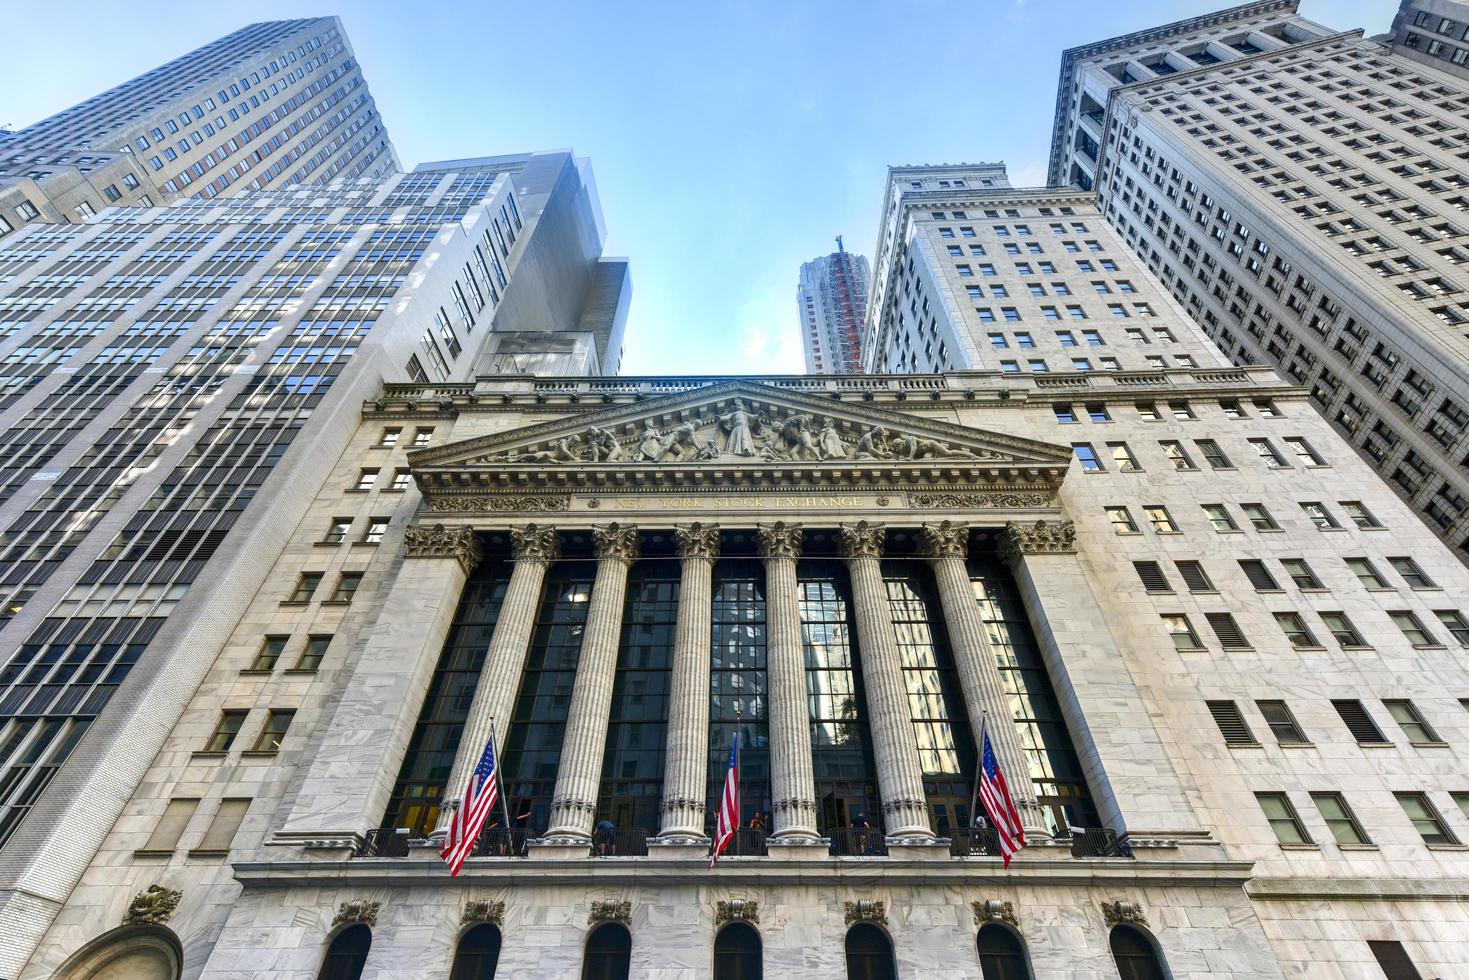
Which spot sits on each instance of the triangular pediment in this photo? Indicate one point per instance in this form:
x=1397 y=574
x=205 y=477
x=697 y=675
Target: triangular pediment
x=739 y=433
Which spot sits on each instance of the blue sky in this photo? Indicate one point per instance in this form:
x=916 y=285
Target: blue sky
x=731 y=141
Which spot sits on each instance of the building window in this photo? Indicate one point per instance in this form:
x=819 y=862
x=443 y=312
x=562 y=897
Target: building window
x=1340 y=820
x=389 y=438
x=1258 y=575
x=1136 y=956
x=313 y=652
x=366 y=478
x=1194 y=576
x=1181 y=631
x=1342 y=629
x=1359 y=514
x=1389 y=953
x=1176 y=454
x=305 y=587
x=1301 y=574
x=276 y=723
x=1282 y=723
x=1213 y=455
x=1001 y=954
x=869 y=954
x=1151 y=574
x=478 y=954
x=1098 y=413
x=422 y=437
x=1123 y=457
x=1412 y=723
x=1319 y=515
x=1366 y=573
x=1455 y=623
x=225 y=730
x=1425 y=818
x=170 y=827
x=1412 y=628
x=1160 y=519
x=1267 y=452
x=376 y=528
x=1122 y=523
x=1296 y=630
x=347 y=955
x=1354 y=715
x=337 y=530
x=1231 y=637
x=1087 y=457
x=347 y=586
x=1411 y=573
x=268 y=654
x=1064 y=413
x=1219 y=517
x=1282 y=817
x=402 y=479
x=1303 y=451
x=1231 y=723
x=219 y=837
x=1259 y=517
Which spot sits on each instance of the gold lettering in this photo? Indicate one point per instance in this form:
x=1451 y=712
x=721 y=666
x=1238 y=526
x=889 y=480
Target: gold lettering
x=715 y=502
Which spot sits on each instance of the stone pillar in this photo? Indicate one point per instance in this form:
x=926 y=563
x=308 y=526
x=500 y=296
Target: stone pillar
x=351 y=773
x=686 y=762
x=947 y=546
x=1135 y=785
x=894 y=746
x=792 y=778
x=575 y=799
x=534 y=548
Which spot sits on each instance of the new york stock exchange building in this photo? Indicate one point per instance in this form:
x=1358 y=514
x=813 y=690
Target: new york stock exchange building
x=616 y=578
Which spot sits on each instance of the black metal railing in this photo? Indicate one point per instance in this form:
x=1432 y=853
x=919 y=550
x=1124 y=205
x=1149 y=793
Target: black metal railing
x=746 y=842
x=620 y=842
x=1098 y=842
x=383 y=842
x=975 y=842
x=857 y=842
x=501 y=842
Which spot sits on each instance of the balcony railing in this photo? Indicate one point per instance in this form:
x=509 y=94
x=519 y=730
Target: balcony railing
x=501 y=842
x=1098 y=842
x=746 y=842
x=620 y=842
x=384 y=842
x=857 y=842
x=976 y=842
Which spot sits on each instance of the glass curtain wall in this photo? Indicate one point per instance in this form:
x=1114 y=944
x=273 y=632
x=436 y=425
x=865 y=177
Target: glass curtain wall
x=737 y=678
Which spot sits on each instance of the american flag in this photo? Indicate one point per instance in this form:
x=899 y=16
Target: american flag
x=995 y=795
x=729 y=804
x=469 y=817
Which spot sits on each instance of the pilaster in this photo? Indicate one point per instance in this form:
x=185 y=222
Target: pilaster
x=686 y=760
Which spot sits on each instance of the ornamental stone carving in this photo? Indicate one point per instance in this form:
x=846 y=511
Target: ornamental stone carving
x=793 y=805
x=861 y=540
x=737 y=910
x=152 y=907
x=438 y=541
x=866 y=910
x=532 y=542
x=1040 y=538
x=986 y=499
x=616 y=542
x=488 y=503
x=679 y=803
x=1118 y=912
x=697 y=540
x=359 y=911
x=486 y=911
x=945 y=539
x=779 y=540
x=611 y=911
x=994 y=911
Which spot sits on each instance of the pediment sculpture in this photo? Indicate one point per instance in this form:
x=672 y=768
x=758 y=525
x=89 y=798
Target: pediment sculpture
x=742 y=434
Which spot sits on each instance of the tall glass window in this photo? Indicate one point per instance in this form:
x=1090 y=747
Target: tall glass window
x=841 y=745
x=940 y=725
x=737 y=677
x=420 y=786
x=632 y=766
x=533 y=748
x=1054 y=767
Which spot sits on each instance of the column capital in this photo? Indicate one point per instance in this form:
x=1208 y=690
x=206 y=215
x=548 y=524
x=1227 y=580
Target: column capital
x=534 y=542
x=861 y=540
x=779 y=540
x=697 y=540
x=1040 y=538
x=945 y=539
x=616 y=542
x=438 y=541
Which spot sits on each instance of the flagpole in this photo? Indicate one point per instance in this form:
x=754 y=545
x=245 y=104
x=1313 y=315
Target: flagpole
x=499 y=775
x=978 y=766
x=739 y=803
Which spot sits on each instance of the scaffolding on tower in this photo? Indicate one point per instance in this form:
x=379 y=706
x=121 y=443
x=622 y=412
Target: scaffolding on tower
x=851 y=310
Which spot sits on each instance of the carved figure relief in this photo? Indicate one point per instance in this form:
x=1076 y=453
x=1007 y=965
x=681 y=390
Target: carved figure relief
x=153 y=906
x=736 y=425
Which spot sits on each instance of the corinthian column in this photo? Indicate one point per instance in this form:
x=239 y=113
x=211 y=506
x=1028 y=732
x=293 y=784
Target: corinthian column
x=792 y=780
x=899 y=771
x=534 y=548
x=580 y=773
x=947 y=546
x=686 y=763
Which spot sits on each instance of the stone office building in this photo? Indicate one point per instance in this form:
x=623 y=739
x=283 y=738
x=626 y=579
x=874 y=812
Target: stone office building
x=1219 y=660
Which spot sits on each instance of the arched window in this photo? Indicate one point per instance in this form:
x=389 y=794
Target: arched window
x=1002 y=954
x=737 y=953
x=347 y=954
x=609 y=953
x=1137 y=958
x=869 y=954
x=132 y=952
x=478 y=952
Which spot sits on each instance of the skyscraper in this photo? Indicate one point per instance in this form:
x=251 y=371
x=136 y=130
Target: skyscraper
x=274 y=103
x=175 y=384
x=831 y=300
x=1302 y=192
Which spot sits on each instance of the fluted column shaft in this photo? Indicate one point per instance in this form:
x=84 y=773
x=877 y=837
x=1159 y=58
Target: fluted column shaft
x=580 y=773
x=686 y=761
x=792 y=778
x=534 y=548
x=894 y=746
x=979 y=673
